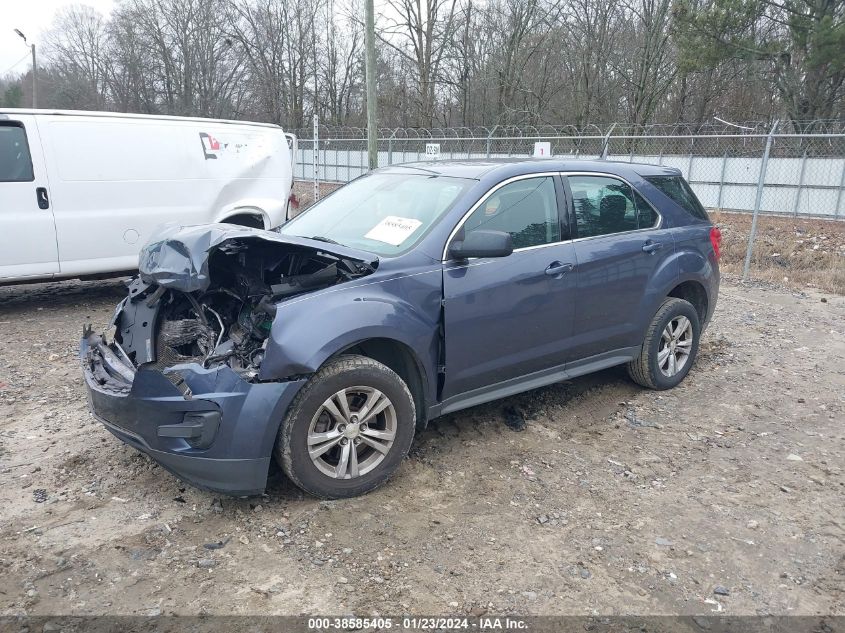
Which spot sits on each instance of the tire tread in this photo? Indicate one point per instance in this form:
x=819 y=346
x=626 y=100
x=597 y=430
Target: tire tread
x=339 y=365
x=639 y=369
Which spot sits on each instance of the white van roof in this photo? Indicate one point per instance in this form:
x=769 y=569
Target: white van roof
x=127 y=115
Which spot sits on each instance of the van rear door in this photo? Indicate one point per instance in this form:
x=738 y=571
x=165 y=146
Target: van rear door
x=27 y=227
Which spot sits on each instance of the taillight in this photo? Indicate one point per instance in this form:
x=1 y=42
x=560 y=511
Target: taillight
x=716 y=241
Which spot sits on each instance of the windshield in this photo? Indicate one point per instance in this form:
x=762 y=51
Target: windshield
x=381 y=213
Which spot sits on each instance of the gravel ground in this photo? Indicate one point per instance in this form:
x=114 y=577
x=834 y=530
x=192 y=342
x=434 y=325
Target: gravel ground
x=591 y=496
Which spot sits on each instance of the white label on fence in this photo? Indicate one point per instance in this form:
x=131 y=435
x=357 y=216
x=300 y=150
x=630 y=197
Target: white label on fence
x=542 y=149
x=393 y=230
x=432 y=151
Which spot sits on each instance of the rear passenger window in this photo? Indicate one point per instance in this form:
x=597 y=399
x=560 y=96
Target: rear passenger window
x=647 y=217
x=677 y=188
x=527 y=209
x=605 y=205
x=15 y=161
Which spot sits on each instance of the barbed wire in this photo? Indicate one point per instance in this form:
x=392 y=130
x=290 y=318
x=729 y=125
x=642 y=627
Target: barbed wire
x=713 y=128
x=723 y=161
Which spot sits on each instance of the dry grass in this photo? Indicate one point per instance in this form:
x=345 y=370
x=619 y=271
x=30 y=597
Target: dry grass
x=304 y=190
x=802 y=253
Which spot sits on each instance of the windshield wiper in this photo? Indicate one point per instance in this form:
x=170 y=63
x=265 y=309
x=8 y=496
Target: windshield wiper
x=328 y=240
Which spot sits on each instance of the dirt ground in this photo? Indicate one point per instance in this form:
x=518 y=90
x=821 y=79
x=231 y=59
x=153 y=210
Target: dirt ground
x=722 y=495
x=798 y=252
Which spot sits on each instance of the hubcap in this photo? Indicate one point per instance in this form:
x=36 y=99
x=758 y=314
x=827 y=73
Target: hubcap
x=352 y=432
x=675 y=346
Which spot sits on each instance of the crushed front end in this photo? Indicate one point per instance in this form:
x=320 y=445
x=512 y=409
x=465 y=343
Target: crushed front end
x=180 y=377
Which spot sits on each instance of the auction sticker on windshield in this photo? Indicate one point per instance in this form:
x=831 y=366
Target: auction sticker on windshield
x=393 y=230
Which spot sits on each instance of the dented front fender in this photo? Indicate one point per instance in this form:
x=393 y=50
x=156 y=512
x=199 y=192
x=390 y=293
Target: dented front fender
x=310 y=329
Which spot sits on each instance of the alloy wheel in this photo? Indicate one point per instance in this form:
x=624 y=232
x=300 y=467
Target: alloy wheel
x=352 y=432
x=675 y=346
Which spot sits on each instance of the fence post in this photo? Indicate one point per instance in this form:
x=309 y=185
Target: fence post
x=316 y=158
x=390 y=147
x=722 y=180
x=606 y=142
x=800 y=184
x=758 y=200
x=841 y=187
x=689 y=162
x=489 y=139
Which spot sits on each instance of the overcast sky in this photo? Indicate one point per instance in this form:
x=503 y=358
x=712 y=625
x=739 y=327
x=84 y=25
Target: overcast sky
x=32 y=17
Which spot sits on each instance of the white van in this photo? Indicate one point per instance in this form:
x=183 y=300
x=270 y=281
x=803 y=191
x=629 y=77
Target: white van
x=81 y=192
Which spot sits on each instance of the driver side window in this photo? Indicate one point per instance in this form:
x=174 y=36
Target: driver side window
x=15 y=162
x=527 y=209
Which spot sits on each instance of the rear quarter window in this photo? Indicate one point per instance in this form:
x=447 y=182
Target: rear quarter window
x=677 y=188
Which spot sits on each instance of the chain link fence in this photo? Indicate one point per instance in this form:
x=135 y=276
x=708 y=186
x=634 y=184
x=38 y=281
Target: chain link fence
x=770 y=186
x=727 y=165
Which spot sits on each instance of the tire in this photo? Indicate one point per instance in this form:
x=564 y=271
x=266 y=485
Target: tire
x=653 y=368
x=316 y=419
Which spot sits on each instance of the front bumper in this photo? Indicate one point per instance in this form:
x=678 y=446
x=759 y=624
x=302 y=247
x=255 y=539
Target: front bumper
x=219 y=437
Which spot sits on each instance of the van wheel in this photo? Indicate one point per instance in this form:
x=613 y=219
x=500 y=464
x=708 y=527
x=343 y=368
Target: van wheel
x=348 y=429
x=669 y=348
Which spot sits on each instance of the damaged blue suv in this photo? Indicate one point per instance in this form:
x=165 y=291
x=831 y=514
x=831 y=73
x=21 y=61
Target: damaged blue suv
x=414 y=291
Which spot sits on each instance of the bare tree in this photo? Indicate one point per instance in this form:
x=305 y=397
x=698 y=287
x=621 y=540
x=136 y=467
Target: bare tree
x=520 y=30
x=75 y=47
x=592 y=28
x=421 y=32
x=340 y=60
x=645 y=58
x=128 y=64
x=277 y=39
x=464 y=62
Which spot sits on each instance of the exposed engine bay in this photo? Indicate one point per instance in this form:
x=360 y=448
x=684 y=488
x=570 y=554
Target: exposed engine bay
x=230 y=321
x=217 y=305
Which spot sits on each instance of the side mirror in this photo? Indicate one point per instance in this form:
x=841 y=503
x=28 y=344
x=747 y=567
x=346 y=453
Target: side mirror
x=482 y=244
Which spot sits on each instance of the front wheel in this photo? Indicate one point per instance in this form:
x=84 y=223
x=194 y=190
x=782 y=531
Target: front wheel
x=669 y=348
x=348 y=429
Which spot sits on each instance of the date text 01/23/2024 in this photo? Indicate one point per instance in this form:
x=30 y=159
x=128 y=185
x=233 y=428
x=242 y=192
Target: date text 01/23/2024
x=417 y=623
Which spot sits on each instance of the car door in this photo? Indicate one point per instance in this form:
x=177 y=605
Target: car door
x=620 y=243
x=508 y=317
x=27 y=229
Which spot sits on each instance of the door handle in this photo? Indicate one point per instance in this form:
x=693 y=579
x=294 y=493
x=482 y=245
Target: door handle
x=41 y=197
x=556 y=268
x=651 y=247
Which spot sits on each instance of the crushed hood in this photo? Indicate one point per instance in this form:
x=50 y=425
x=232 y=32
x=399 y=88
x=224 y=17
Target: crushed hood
x=176 y=257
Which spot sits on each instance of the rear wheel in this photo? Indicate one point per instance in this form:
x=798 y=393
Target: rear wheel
x=669 y=348
x=348 y=429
